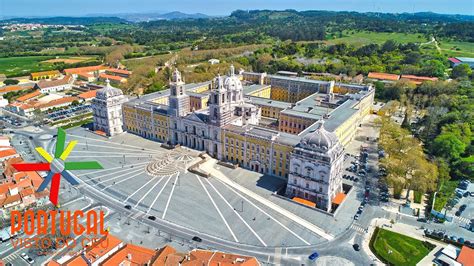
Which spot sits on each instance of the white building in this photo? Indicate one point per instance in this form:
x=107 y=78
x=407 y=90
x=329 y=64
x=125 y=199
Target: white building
x=214 y=61
x=47 y=86
x=316 y=166
x=107 y=110
x=3 y=102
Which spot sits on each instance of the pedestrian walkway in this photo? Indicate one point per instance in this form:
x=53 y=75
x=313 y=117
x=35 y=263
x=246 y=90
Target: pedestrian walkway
x=461 y=220
x=10 y=258
x=209 y=166
x=358 y=228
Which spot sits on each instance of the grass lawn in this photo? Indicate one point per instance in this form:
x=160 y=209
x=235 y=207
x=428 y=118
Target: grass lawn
x=24 y=65
x=453 y=48
x=446 y=192
x=366 y=37
x=19 y=66
x=398 y=249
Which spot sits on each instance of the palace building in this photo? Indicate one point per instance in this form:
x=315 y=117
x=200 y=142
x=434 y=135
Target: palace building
x=288 y=127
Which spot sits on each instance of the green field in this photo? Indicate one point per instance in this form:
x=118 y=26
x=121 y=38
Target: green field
x=453 y=48
x=398 y=249
x=366 y=37
x=24 y=65
x=19 y=66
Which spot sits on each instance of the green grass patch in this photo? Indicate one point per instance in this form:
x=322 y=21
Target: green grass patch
x=397 y=249
x=445 y=193
x=367 y=37
x=24 y=65
x=77 y=124
x=455 y=48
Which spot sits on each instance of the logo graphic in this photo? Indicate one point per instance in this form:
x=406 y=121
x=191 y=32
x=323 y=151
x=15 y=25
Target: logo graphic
x=57 y=166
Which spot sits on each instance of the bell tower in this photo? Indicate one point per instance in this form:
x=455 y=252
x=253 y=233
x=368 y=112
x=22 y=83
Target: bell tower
x=179 y=101
x=219 y=105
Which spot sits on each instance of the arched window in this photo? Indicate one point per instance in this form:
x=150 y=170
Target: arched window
x=309 y=171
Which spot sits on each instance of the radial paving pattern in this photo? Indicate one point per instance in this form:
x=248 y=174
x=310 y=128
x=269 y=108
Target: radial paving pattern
x=153 y=180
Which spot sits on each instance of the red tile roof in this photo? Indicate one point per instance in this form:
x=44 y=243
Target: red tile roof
x=11 y=199
x=466 y=257
x=86 y=74
x=11 y=88
x=383 y=76
x=88 y=94
x=130 y=255
x=78 y=70
x=54 y=83
x=59 y=101
x=45 y=73
x=111 y=77
x=162 y=256
x=212 y=258
x=419 y=78
x=29 y=96
x=118 y=71
x=454 y=60
x=7 y=153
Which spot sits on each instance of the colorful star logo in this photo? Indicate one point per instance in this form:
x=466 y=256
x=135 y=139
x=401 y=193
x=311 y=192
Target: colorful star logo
x=57 y=166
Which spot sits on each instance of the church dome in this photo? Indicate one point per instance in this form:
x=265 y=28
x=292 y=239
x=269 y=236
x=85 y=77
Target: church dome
x=232 y=82
x=319 y=139
x=108 y=92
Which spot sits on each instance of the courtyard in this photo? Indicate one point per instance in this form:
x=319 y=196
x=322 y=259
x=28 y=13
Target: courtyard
x=153 y=180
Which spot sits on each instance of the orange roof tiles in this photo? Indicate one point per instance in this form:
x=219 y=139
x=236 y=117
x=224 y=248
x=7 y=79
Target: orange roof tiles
x=162 y=255
x=305 y=202
x=29 y=96
x=339 y=198
x=11 y=199
x=45 y=73
x=130 y=255
x=58 y=102
x=418 y=79
x=111 y=77
x=85 y=74
x=11 y=88
x=27 y=192
x=78 y=70
x=212 y=258
x=118 y=71
x=7 y=153
x=466 y=257
x=383 y=76
x=97 y=250
x=88 y=94
x=54 y=83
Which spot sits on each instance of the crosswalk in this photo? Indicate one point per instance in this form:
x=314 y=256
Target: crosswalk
x=358 y=228
x=461 y=220
x=10 y=258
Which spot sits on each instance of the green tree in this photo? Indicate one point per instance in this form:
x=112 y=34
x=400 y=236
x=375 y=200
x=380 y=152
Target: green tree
x=448 y=146
x=11 y=82
x=461 y=71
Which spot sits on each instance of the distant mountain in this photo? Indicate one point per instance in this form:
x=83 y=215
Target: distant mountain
x=66 y=20
x=175 y=15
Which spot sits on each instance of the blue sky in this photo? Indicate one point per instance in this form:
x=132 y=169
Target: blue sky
x=214 y=7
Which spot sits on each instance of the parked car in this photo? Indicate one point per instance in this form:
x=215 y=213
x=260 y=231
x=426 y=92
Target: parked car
x=356 y=247
x=197 y=239
x=128 y=207
x=462 y=207
x=313 y=256
x=356 y=217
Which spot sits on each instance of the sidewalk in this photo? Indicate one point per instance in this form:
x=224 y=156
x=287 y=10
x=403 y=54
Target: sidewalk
x=209 y=167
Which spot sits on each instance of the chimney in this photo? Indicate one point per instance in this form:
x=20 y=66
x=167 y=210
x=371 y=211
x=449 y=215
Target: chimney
x=129 y=256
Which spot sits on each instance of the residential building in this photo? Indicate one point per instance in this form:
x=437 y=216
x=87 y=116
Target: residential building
x=417 y=79
x=466 y=256
x=116 y=252
x=454 y=61
x=107 y=110
x=118 y=72
x=112 y=78
x=52 y=74
x=29 y=96
x=47 y=86
x=95 y=70
x=3 y=102
x=86 y=77
x=214 y=61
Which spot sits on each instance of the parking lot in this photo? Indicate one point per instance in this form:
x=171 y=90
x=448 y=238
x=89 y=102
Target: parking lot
x=68 y=113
